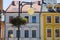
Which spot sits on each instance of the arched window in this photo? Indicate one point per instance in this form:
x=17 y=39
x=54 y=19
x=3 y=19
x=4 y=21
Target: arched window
x=50 y=9
x=10 y=32
x=57 y=9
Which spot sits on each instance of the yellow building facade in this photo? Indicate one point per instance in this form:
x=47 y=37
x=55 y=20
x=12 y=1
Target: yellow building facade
x=50 y=26
x=1 y=22
x=1 y=6
x=2 y=30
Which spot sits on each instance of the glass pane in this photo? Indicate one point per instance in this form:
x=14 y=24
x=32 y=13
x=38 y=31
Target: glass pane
x=10 y=18
x=26 y=33
x=56 y=19
x=48 y=19
x=27 y=18
x=57 y=32
x=48 y=32
x=58 y=9
x=33 y=19
x=33 y=33
x=9 y=33
x=17 y=33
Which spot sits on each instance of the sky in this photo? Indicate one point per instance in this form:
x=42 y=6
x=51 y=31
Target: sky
x=7 y=2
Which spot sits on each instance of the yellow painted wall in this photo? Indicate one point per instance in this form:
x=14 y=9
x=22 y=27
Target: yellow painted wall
x=1 y=3
x=2 y=30
x=0 y=18
x=49 y=25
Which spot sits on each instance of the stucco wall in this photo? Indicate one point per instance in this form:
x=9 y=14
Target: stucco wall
x=30 y=26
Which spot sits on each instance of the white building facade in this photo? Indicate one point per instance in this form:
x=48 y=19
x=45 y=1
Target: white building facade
x=30 y=31
x=30 y=27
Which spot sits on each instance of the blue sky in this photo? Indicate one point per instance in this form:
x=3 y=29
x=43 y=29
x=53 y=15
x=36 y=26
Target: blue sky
x=7 y=2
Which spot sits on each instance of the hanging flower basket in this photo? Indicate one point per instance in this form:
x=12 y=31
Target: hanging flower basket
x=18 y=21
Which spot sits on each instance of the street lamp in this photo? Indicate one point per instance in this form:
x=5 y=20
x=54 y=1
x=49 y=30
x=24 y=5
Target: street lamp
x=11 y=35
x=30 y=11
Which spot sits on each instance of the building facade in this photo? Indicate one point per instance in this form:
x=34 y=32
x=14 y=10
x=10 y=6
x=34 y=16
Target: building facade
x=1 y=21
x=45 y=3
x=50 y=26
x=50 y=20
x=30 y=31
x=0 y=15
x=1 y=4
x=2 y=30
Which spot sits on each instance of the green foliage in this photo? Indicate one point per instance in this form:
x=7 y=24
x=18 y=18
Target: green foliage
x=18 y=21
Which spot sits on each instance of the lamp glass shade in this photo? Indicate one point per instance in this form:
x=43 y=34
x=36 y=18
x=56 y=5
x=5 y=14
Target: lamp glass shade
x=30 y=11
x=11 y=35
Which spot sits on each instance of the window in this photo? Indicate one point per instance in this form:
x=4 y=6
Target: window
x=58 y=9
x=27 y=18
x=26 y=33
x=50 y=9
x=10 y=18
x=10 y=32
x=33 y=19
x=57 y=33
x=56 y=19
x=48 y=19
x=33 y=33
x=17 y=33
x=48 y=32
